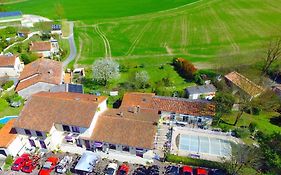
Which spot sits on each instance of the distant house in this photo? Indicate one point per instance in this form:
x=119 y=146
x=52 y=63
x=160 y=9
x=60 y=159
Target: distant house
x=243 y=85
x=10 y=66
x=10 y=142
x=10 y=16
x=201 y=92
x=40 y=75
x=45 y=49
x=56 y=29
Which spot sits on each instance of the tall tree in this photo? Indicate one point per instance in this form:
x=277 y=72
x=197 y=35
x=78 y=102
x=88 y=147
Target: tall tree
x=272 y=55
x=141 y=79
x=242 y=156
x=105 y=70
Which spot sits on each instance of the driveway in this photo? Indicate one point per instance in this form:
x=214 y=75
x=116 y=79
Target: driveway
x=73 y=50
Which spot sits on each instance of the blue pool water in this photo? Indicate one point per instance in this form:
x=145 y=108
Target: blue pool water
x=4 y=120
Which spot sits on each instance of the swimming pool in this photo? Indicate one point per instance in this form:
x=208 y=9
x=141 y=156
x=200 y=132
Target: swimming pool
x=205 y=145
x=4 y=120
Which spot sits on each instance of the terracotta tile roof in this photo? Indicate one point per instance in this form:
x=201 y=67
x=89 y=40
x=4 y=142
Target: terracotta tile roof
x=7 y=61
x=169 y=104
x=244 y=84
x=129 y=129
x=6 y=135
x=184 y=106
x=40 y=46
x=143 y=100
x=41 y=70
x=44 y=109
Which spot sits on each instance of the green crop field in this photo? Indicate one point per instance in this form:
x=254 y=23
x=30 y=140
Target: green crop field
x=211 y=33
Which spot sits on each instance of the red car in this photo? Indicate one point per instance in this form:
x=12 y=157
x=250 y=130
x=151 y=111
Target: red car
x=201 y=171
x=20 y=161
x=123 y=170
x=49 y=166
x=31 y=164
x=186 y=170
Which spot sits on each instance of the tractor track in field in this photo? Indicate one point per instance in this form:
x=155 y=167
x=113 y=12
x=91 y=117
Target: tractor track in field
x=105 y=41
x=138 y=38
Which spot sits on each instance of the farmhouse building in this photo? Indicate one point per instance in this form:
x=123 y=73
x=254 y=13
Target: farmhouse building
x=80 y=120
x=201 y=92
x=45 y=49
x=10 y=142
x=243 y=85
x=10 y=66
x=40 y=75
x=173 y=110
x=56 y=29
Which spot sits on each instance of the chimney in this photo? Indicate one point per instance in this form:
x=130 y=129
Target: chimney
x=135 y=109
x=138 y=108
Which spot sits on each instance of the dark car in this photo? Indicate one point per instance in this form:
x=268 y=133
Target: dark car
x=153 y=170
x=172 y=170
x=217 y=172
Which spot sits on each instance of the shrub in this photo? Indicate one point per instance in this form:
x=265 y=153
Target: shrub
x=256 y=111
x=252 y=127
x=185 y=68
x=241 y=132
x=7 y=85
x=193 y=162
x=123 y=68
x=9 y=160
x=28 y=58
x=3 y=104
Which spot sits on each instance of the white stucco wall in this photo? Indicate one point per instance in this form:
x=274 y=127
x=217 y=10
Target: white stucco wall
x=15 y=147
x=101 y=108
x=33 y=89
x=46 y=54
x=12 y=71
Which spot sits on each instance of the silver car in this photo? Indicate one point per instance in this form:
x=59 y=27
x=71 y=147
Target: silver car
x=63 y=165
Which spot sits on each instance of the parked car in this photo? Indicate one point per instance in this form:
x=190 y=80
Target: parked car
x=63 y=165
x=201 y=171
x=20 y=161
x=123 y=169
x=49 y=166
x=111 y=169
x=141 y=170
x=31 y=164
x=186 y=170
x=153 y=170
x=217 y=172
x=172 y=170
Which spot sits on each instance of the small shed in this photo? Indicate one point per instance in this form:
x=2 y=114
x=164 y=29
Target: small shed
x=206 y=92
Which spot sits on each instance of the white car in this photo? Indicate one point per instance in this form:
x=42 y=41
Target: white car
x=111 y=169
x=63 y=165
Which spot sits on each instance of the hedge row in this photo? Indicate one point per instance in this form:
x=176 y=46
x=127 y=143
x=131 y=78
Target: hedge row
x=193 y=162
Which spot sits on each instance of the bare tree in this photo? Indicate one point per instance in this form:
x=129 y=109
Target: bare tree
x=273 y=54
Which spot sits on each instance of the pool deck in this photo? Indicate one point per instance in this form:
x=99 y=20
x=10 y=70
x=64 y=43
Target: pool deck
x=199 y=132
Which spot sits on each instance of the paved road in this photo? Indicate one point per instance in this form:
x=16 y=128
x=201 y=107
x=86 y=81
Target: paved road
x=73 y=50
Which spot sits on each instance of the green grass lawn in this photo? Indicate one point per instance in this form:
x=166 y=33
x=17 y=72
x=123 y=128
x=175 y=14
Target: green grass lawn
x=262 y=121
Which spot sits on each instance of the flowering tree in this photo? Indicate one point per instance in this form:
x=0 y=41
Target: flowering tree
x=141 y=79
x=105 y=70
